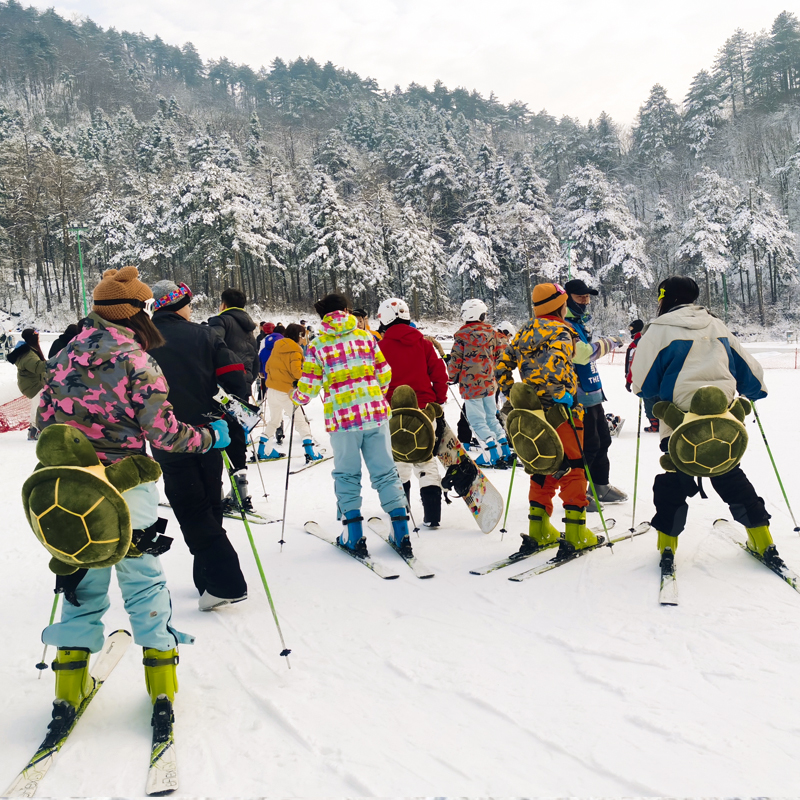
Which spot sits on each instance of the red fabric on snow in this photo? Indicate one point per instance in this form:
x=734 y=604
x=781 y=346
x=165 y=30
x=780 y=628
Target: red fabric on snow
x=415 y=363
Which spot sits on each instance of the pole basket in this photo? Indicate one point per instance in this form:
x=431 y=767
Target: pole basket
x=15 y=415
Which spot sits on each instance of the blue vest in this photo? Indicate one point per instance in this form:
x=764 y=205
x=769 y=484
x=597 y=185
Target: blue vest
x=590 y=387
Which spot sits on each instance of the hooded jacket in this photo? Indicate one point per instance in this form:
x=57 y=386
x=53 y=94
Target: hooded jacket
x=477 y=348
x=194 y=360
x=285 y=365
x=347 y=366
x=687 y=348
x=236 y=328
x=30 y=369
x=414 y=363
x=107 y=386
x=542 y=351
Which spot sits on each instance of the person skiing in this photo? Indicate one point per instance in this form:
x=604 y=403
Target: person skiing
x=636 y=327
x=235 y=327
x=682 y=350
x=477 y=347
x=543 y=351
x=590 y=391
x=28 y=358
x=284 y=369
x=414 y=363
x=194 y=361
x=107 y=385
x=347 y=365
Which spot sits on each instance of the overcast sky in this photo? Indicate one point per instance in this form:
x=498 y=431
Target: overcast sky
x=574 y=57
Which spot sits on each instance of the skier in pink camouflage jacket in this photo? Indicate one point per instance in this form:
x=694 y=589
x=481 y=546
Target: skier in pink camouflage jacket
x=105 y=384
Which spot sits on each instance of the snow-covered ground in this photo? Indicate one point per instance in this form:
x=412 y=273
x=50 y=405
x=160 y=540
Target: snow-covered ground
x=574 y=683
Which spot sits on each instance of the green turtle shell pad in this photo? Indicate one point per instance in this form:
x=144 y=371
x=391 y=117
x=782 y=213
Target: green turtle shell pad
x=80 y=519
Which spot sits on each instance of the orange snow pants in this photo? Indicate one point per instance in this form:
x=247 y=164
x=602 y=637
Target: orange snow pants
x=572 y=486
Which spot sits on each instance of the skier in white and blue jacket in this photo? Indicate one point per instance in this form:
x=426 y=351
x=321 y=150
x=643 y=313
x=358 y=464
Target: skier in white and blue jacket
x=684 y=348
x=597 y=438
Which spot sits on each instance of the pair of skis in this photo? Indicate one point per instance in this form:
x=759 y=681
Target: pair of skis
x=557 y=561
x=162 y=774
x=381 y=527
x=668 y=593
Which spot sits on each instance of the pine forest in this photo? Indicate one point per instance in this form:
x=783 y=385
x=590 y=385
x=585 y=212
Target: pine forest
x=301 y=178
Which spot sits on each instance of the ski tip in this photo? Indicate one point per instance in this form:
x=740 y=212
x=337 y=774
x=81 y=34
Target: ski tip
x=390 y=577
x=121 y=630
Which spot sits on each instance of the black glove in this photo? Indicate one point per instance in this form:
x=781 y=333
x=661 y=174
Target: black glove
x=149 y=541
x=628 y=386
x=68 y=584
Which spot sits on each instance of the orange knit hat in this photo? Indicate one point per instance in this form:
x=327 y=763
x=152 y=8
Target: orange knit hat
x=120 y=294
x=548 y=298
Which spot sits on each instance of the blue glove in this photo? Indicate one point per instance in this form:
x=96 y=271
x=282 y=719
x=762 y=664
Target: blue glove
x=222 y=438
x=566 y=400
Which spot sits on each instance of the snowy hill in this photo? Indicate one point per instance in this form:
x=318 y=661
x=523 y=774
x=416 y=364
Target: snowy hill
x=573 y=683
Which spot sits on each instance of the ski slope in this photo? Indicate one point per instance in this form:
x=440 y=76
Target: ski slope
x=573 y=683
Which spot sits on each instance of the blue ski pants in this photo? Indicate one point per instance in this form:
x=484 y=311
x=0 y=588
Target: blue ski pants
x=482 y=417
x=144 y=592
x=374 y=444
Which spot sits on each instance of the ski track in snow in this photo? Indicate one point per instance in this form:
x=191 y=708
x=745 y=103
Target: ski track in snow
x=573 y=683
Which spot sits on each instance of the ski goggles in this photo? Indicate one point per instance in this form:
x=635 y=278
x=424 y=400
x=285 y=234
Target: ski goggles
x=183 y=292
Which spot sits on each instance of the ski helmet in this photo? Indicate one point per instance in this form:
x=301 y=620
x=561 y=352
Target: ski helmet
x=392 y=309
x=472 y=310
x=507 y=328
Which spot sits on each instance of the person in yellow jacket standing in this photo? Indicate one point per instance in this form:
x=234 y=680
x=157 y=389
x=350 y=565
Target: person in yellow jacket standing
x=283 y=369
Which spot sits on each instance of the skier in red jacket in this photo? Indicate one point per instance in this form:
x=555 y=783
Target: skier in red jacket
x=415 y=363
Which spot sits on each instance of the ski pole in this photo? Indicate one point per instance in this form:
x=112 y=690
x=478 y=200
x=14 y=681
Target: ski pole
x=258 y=464
x=589 y=478
x=288 y=466
x=42 y=665
x=229 y=467
x=503 y=530
x=636 y=468
x=774 y=466
x=455 y=396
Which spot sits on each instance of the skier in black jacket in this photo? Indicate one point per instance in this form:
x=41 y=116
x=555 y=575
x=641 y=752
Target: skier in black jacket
x=235 y=327
x=194 y=360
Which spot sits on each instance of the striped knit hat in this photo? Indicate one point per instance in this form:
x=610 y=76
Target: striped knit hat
x=548 y=298
x=120 y=295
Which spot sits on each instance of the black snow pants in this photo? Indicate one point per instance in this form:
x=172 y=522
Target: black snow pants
x=671 y=489
x=237 y=449
x=596 y=441
x=193 y=483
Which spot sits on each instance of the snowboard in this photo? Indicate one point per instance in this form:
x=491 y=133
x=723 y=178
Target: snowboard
x=482 y=499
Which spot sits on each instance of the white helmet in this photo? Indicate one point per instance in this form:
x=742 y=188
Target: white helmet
x=472 y=310
x=507 y=328
x=392 y=309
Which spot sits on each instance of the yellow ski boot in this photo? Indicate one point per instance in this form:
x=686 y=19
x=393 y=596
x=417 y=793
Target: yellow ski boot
x=541 y=531
x=576 y=535
x=759 y=540
x=160 y=674
x=73 y=681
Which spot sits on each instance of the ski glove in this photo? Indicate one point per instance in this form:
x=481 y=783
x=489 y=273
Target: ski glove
x=222 y=438
x=150 y=541
x=566 y=400
x=68 y=585
x=628 y=387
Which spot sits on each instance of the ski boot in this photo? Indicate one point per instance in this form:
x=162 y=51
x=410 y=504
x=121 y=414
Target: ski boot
x=667 y=546
x=73 y=681
x=160 y=675
x=230 y=503
x=432 y=505
x=608 y=494
x=653 y=427
x=311 y=454
x=541 y=531
x=33 y=434
x=759 y=540
x=399 y=535
x=491 y=458
x=162 y=683
x=576 y=535
x=352 y=537
x=267 y=452
x=507 y=455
